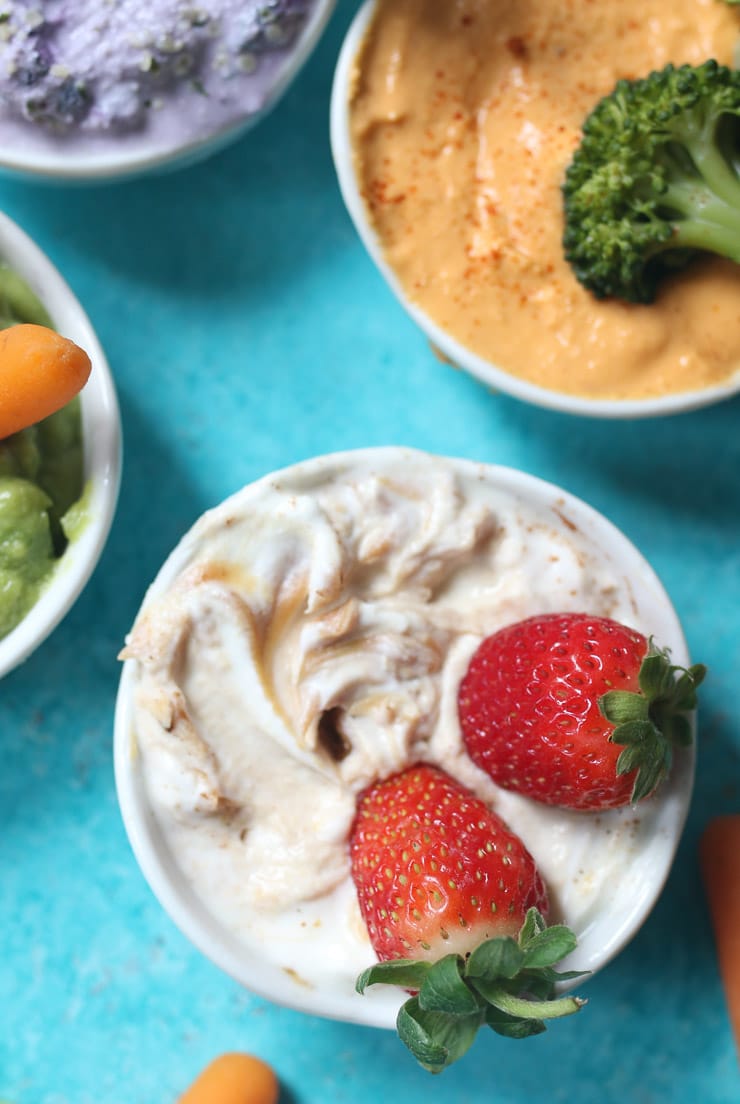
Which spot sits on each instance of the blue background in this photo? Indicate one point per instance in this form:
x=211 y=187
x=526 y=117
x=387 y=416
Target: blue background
x=247 y=329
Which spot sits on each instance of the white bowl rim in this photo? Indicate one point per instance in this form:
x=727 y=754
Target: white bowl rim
x=488 y=373
x=99 y=166
x=101 y=447
x=190 y=915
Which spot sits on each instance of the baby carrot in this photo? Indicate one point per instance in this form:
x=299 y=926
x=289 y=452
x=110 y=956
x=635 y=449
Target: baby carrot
x=234 y=1079
x=40 y=371
x=720 y=862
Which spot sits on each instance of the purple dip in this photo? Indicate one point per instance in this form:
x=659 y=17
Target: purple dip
x=93 y=74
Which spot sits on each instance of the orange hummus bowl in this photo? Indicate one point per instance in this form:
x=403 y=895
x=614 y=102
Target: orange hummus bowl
x=418 y=225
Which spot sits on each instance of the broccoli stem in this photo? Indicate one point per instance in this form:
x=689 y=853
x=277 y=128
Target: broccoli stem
x=692 y=201
x=716 y=172
x=706 y=221
x=696 y=234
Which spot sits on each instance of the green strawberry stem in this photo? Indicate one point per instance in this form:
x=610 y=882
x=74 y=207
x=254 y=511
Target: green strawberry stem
x=506 y=984
x=532 y=1009
x=652 y=721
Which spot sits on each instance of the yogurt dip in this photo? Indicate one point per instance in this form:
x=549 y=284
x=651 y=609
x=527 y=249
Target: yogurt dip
x=462 y=120
x=88 y=74
x=308 y=636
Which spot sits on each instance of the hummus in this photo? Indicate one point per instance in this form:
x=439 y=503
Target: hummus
x=91 y=72
x=41 y=482
x=307 y=637
x=463 y=119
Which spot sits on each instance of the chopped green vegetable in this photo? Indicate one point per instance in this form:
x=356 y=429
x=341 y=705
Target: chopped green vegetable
x=18 y=303
x=42 y=504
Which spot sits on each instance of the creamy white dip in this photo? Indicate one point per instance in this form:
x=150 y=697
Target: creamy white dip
x=307 y=637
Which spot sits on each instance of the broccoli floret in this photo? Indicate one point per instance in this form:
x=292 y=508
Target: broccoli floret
x=655 y=180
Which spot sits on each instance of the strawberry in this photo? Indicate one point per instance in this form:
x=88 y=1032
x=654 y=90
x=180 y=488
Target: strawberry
x=575 y=710
x=435 y=870
x=453 y=904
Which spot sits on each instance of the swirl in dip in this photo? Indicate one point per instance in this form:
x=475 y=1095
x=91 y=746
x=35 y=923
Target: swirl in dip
x=463 y=119
x=308 y=636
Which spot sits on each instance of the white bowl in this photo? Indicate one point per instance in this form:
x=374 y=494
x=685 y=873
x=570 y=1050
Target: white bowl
x=101 y=431
x=34 y=158
x=636 y=883
x=493 y=375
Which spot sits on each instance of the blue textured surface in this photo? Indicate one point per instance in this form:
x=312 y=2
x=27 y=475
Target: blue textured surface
x=247 y=329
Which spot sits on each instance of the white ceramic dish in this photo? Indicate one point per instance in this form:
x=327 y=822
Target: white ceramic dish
x=638 y=882
x=488 y=373
x=101 y=439
x=33 y=160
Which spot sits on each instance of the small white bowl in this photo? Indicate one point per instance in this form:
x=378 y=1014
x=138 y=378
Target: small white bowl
x=487 y=372
x=101 y=432
x=34 y=158
x=636 y=884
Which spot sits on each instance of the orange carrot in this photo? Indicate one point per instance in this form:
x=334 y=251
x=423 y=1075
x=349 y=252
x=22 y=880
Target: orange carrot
x=720 y=861
x=234 y=1079
x=40 y=371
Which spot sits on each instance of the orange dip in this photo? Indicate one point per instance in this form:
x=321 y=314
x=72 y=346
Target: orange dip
x=464 y=115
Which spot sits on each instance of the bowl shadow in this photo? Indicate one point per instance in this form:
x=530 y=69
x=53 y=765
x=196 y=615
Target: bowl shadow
x=687 y=464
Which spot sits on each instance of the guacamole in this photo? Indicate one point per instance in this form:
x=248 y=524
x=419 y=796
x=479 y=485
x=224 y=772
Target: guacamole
x=41 y=481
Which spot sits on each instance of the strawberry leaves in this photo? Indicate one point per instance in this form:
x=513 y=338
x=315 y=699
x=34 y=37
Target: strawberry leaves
x=435 y=1039
x=506 y=984
x=408 y=973
x=651 y=722
x=444 y=989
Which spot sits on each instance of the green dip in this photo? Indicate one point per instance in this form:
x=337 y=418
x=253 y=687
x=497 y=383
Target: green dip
x=41 y=481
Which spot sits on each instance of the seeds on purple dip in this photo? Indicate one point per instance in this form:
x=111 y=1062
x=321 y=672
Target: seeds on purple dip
x=105 y=66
